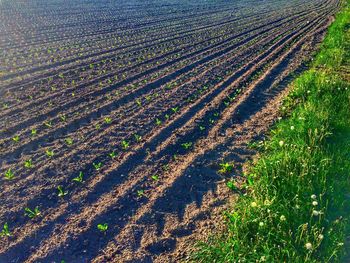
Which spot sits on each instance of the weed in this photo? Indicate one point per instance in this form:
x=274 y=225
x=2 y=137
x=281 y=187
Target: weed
x=231 y=185
x=226 y=167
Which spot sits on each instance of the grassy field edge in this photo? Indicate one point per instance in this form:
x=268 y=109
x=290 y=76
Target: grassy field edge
x=296 y=201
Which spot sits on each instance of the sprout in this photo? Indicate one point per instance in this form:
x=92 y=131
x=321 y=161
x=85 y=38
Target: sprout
x=102 y=227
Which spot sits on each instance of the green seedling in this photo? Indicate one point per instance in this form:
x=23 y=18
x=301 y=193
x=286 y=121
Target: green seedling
x=28 y=164
x=226 y=167
x=155 y=177
x=34 y=132
x=49 y=153
x=5 y=231
x=69 y=141
x=137 y=137
x=175 y=109
x=108 y=120
x=186 y=145
x=138 y=102
x=79 y=178
x=102 y=227
x=32 y=213
x=97 y=166
x=202 y=128
x=158 y=122
x=63 y=117
x=125 y=144
x=15 y=138
x=48 y=124
x=112 y=154
x=9 y=175
x=140 y=193
x=61 y=192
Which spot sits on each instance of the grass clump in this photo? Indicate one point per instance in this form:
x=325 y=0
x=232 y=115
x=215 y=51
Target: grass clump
x=297 y=207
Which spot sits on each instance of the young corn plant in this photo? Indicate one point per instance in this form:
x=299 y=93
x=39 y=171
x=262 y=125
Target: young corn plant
x=16 y=138
x=108 y=120
x=158 y=122
x=125 y=145
x=186 y=145
x=9 y=175
x=32 y=213
x=137 y=137
x=28 y=164
x=112 y=154
x=155 y=177
x=49 y=153
x=175 y=109
x=61 y=192
x=140 y=193
x=69 y=141
x=48 y=124
x=5 y=232
x=33 y=132
x=79 y=178
x=102 y=227
x=97 y=166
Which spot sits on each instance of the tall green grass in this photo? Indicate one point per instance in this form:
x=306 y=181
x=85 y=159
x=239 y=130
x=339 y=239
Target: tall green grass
x=297 y=204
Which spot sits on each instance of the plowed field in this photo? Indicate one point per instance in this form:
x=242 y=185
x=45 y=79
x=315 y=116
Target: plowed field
x=119 y=113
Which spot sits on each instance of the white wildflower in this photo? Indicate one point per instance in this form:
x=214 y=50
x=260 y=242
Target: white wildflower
x=308 y=246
